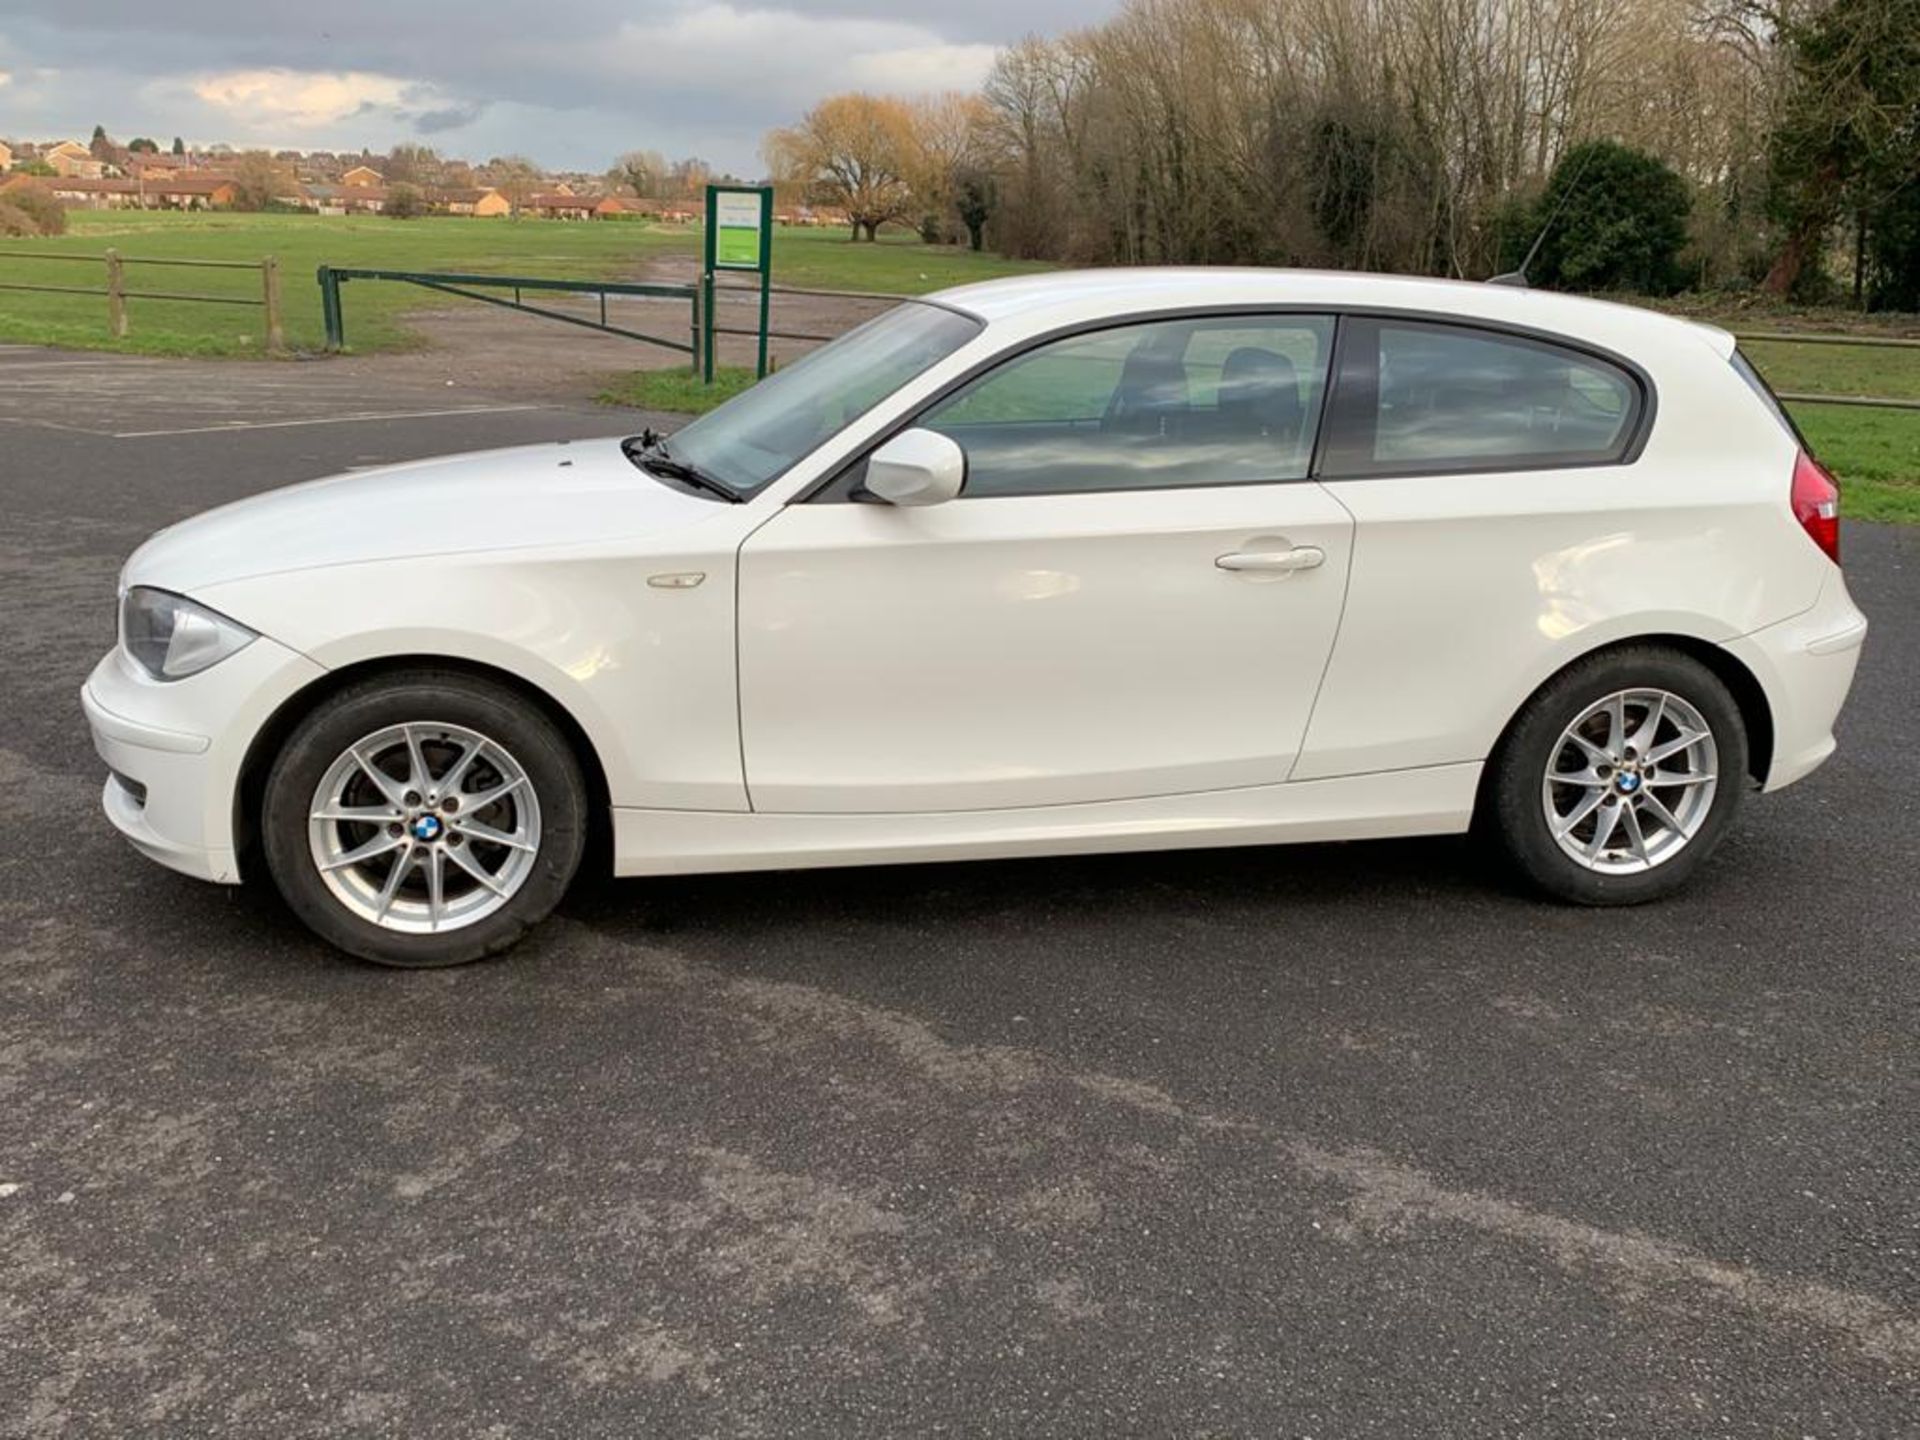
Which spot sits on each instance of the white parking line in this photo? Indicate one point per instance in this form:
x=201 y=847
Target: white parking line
x=363 y=418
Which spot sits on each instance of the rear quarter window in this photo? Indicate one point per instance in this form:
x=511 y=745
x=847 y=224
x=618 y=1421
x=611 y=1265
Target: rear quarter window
x=1417 y=397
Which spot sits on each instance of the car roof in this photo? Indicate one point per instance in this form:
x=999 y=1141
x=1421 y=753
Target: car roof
x=1053 y=299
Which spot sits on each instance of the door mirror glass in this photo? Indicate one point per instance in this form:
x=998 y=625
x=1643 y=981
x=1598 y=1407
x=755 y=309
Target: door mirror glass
x=916 y=467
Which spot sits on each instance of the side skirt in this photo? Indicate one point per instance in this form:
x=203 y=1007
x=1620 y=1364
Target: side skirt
x=1432 y=800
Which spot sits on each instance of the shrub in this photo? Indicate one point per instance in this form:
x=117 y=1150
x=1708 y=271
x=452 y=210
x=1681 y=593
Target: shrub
x=1622 y=226
x=31 y=207
x=404 y=201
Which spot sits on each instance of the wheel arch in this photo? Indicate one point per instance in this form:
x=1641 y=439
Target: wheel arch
x=1756 y=712
x=271 y=736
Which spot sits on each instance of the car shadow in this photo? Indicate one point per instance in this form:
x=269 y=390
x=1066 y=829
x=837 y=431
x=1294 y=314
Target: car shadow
x=1059 y=889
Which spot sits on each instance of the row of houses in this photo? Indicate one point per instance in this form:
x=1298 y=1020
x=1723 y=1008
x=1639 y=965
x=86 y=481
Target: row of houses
x=212 y=191
x=181 y=182
x=70 y=160
x=208 y=190
x=170 y=192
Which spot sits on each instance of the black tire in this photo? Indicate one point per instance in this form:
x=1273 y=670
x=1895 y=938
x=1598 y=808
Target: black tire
x=426 y=696
x=1512 y=809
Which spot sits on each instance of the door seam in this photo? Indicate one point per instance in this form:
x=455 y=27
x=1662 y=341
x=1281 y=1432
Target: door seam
x=1339 y=625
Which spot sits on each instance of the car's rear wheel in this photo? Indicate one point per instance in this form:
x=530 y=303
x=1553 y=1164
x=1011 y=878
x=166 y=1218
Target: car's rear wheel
x=1620 y=777
x=424 y=819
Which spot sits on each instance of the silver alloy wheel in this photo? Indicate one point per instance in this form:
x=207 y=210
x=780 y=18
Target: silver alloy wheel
x=424 y=828
x=1631 y=781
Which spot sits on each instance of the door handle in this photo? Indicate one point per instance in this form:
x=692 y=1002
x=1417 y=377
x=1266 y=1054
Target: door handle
x=1300 y=557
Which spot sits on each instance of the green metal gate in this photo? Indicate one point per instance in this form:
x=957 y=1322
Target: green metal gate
x=474 y=287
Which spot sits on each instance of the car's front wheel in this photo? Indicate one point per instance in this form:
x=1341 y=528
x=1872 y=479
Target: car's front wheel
x=423 y=819
x=1620 y=776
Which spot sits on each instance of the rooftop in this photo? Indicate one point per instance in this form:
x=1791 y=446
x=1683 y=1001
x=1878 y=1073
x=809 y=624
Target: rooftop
x=1066 y=297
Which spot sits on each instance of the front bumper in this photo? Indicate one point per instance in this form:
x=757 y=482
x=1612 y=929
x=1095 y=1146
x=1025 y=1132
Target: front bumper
x=1805 y=665
x=174 y=751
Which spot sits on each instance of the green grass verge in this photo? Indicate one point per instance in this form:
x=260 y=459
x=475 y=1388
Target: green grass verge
x=597 y=250
x=678 y=391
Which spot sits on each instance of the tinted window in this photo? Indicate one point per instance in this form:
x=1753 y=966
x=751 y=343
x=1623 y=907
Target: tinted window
x=1418 y=397
x=1222 y=401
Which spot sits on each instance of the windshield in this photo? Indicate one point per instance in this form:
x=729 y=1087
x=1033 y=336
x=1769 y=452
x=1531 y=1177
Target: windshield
x=760 y=432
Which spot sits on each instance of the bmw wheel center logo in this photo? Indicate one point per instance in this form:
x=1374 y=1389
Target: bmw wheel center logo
x=426 y=827
x=1629 y=783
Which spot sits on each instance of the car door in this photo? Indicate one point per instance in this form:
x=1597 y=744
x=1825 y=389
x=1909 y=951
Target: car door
x=1135 y=593
x=1501 y=516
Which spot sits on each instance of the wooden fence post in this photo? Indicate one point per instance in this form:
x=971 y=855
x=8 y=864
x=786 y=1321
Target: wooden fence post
x=116 y=296
x=270 y=288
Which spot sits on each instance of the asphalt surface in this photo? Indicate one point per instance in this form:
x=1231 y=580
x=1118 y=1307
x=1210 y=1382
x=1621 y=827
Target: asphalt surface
x=1324 y=1141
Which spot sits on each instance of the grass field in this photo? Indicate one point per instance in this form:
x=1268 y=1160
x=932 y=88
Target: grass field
x=596 y=250
x=1875 y=453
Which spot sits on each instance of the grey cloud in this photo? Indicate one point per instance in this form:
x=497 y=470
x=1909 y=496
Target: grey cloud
x=580 y=80
x=450 y=117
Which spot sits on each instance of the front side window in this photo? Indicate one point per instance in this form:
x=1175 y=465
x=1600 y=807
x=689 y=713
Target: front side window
x=1419 y=397
x=756 y=435
x=1166 y=404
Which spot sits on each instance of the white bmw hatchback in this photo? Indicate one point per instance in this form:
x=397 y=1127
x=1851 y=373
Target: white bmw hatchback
x=1103 y=561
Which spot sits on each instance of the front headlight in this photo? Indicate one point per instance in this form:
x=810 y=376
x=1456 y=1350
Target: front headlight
x=170 y=637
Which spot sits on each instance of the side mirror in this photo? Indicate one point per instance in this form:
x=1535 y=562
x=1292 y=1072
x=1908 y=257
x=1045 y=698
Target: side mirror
x=916 y=467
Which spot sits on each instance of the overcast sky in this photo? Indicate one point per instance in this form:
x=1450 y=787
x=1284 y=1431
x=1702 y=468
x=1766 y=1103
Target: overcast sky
x=572 y=83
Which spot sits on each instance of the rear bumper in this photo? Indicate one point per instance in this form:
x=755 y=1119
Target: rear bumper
x=174 y=751
x=1806 y=667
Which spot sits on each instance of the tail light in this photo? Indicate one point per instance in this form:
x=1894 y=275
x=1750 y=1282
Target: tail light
x=1816 y=504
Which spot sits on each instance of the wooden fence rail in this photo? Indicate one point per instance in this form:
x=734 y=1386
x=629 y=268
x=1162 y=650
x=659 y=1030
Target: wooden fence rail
x=1805 y=397
x=1790 y=337
x=117 y=293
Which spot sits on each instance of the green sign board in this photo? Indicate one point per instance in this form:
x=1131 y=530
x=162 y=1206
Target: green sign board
x=738 y=227
x=739 y=237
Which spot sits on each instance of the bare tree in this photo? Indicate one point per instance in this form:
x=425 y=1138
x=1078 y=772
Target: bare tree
x=515 y=177
x=413 y=165
x=946 y=140
x=688 y=177
x=854 y=152
x=641 y=171
x=259 y=180
x=1386 y=133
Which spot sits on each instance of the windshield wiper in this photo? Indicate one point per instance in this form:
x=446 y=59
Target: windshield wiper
x=649 y=452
